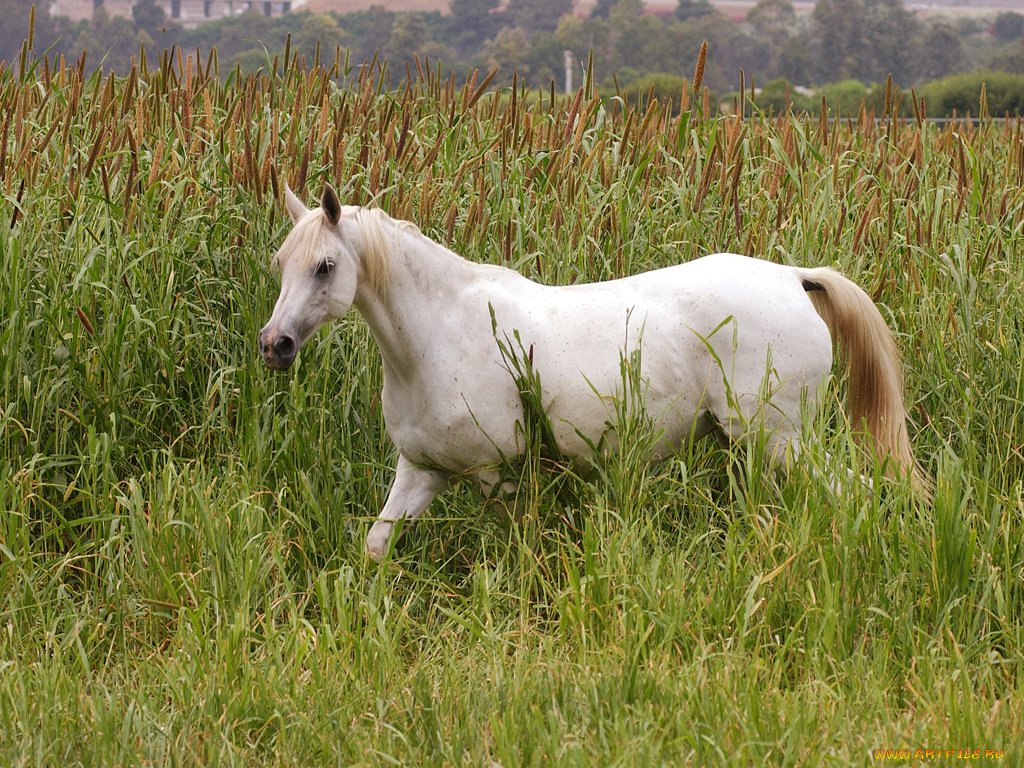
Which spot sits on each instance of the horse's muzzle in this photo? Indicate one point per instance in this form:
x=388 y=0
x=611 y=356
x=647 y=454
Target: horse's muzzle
x=278 y=350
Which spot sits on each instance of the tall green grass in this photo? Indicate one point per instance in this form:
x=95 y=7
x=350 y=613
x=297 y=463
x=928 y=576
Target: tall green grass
x=182 y=579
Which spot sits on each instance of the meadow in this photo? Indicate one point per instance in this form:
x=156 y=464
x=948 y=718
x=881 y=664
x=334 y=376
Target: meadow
x=182 y=574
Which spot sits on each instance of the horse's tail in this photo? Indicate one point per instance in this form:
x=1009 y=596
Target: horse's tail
x=875 y=390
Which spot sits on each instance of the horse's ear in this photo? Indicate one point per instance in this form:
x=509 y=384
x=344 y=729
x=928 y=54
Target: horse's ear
x=295 y=207
x=331 y=204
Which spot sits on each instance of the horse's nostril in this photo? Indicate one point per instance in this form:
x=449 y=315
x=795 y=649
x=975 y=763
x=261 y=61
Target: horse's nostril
x=284 y=346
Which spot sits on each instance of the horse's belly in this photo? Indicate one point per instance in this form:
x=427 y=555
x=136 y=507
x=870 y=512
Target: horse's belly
x=590 y=412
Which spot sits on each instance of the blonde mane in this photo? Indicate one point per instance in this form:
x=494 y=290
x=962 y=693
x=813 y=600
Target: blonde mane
x=308 y=241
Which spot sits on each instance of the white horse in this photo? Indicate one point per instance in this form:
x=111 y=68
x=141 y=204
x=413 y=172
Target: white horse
x=729 y=344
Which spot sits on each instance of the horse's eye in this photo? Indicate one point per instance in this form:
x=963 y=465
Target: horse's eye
x=324 y=269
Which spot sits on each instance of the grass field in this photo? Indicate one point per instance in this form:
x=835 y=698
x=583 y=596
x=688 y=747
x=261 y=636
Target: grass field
x=182 y=577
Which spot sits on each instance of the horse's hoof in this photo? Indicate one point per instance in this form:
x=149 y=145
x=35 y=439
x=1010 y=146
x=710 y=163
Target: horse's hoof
x=377 y=542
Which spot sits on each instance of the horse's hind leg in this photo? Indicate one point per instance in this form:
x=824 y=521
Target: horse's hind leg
x=782 y=449
x=780 y=443
x=413 y=490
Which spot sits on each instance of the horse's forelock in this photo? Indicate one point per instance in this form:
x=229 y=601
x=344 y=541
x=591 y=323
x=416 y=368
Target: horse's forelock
x=308 y=241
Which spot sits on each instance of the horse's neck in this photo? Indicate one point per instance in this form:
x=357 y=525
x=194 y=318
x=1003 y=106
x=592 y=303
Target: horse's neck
x=423 y=280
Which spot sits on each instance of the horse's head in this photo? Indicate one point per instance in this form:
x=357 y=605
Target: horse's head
x=319 y=269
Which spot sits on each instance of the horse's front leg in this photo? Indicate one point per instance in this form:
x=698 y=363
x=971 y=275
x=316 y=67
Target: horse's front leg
x=411 y=494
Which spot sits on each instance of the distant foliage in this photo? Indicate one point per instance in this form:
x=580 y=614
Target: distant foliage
x=1008 y=26
x=851 y=41
x=667 y=89
x=693 y=9
x=962 y=94
x=778 y=96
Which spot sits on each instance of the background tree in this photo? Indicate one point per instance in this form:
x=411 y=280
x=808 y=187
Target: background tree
x=776 y=96
x=536 y=15
x=693 y=9
x=472 y=22
x=623 y=12
x=892 y=37
x=942 y=52
x=508 y=52
x=582 y=35
x=602 y=9
x=864 y=40
x=1008 y=30
x=794 y=60
x=1008 y=59
x=648 y=44
x=149 y=16
x=410 y=37
x=845 y=97
x=1004 y=92
x=622 y=20
x=237 y=35
x=837 y=39
x=547 y=61
x=112 y=41
x=721 y=72
x=771 y=23
x=368 y=31
x=319 y=28
x=1008 y=26
x=773 y=20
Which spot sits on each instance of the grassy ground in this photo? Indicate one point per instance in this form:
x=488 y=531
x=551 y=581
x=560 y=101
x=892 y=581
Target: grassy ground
x=182 y=579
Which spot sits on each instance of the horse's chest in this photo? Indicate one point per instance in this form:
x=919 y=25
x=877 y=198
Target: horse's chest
x=454 y=424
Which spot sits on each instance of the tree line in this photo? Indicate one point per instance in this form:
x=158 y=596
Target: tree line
x=849 y=41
